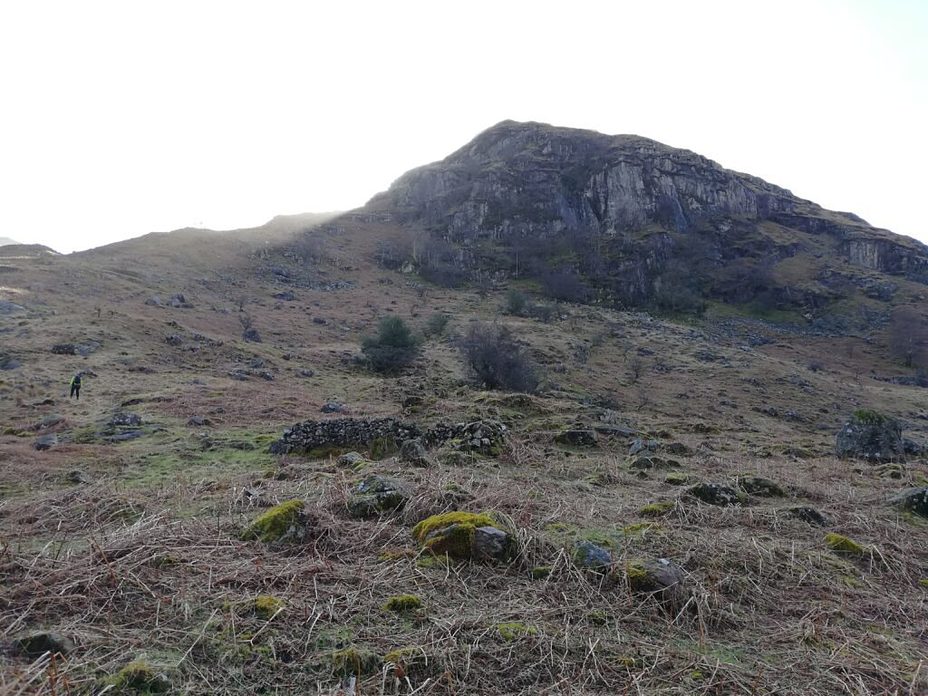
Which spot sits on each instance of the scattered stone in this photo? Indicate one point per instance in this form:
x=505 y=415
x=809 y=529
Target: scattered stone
x=586 y=554
x=484 y=437
x=677 y=448
x=45 y=442
x=643 y=445
x=414 y=452
x=78 y=476
x=7 y=308
x=463 y=536
x=333 y=407
x=126 y=419
x=251 y=335
x=320 y=321
x=614 y=430
x=125 y=436
x=913 y=499
x=659 y=577
x=64 y=349
x=49 y=421
x=284 y=523
x=38 y=643
x=376 y=494
x=576 y=438
x=761 y=487
x=304 y=372
x=872 y=436
x=286 y=296
x=806 y=514
x=178 y=301
x=199 y=421
x=716 y=494
x=913 y=448
x=239 y=375
x=174 y=340
x=8 y=362
x=647 y=463
x=352 y=459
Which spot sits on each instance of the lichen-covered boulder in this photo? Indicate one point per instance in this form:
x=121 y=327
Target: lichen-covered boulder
x=659 y=577
x=761 y=487
x=351 y=459
x=464 y=536
x=872 y=436
x=576 y=437
x=913 y=499
x=592 y=556
x=376 y=494
x=281 y=524
x=716 y=494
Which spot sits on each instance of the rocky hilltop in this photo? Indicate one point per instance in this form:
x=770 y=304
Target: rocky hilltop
x=631 y=217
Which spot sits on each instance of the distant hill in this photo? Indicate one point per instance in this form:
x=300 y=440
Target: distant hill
x=4 y=241
x=628 y=221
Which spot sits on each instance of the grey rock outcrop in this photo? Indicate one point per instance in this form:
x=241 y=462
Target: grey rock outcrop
x=913 y=499
x=376 y=494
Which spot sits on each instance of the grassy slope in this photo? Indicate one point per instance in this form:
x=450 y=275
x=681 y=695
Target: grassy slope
x=145 y=559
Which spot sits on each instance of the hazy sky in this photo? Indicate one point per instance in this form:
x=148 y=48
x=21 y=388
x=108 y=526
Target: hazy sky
x=121 y=118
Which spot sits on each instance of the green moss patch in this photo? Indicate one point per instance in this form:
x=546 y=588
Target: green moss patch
x=842 y=544
x=266 y=606
x=451 y=533
x=403 y=603
x=355 y=661
x=511 y=631
x=657 y=509
x=141 y=677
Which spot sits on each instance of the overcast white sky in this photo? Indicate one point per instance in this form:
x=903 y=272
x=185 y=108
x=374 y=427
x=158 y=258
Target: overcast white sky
x=121 y=118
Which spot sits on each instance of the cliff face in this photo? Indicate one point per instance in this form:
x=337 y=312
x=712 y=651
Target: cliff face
x=647 y=209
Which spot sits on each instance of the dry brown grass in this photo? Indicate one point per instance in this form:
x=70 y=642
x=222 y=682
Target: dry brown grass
x=137 y=565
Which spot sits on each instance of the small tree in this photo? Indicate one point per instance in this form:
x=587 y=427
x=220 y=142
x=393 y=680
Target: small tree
x=496 y=361
x=393 y=348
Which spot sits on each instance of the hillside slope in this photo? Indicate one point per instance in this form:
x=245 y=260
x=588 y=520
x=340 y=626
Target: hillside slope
x=126 y=517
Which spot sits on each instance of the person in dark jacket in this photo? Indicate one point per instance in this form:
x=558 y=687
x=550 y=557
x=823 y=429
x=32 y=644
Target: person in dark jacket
x=76 y=386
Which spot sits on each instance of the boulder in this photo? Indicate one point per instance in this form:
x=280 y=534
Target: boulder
x=414 y=452
x=872 y=436
x=376 y=494
x=251 y=335
x=464 y=536
x=716 y=494
x=912 y=499
x=643 y=445
x=286 y=523
x=576 y=438
x=352 y=459
x=332 y=407
x=659 y=577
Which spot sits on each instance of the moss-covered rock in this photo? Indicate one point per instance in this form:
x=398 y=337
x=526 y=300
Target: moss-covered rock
x=403 y=603
x=842 y=544
x=511 y=631
x=284 y=523
x=266 y=606
x=376 y=494
x=587 y=554
x=463 y=536
x=761 y=487
x=717 y=494
x=677 y=478
x=140 y=677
